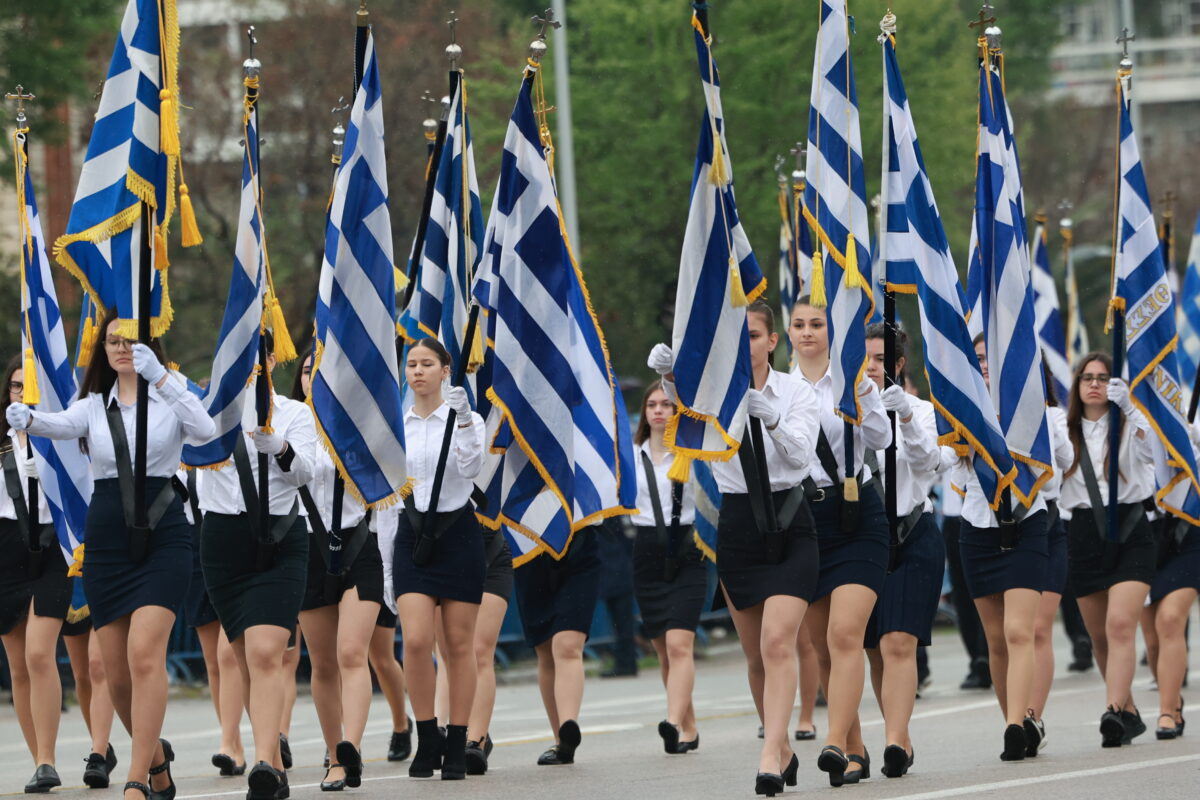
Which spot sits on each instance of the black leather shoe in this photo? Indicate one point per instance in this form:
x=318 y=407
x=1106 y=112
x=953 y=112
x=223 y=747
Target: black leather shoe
x=1014 y=744
x=141 y=787
x=976 y=680
x=554 y=757
x=806 y=736
x=569 y=737
x=333 y=786
x=685 y=747
x=430 y=746
x=110 y=759
x=487 y=744
x=1035 y=735
x=348 y=756
x=475 y=758
x=864 y=767
x=1082 y=652
x=833 y=761
x=760 y=732
x=670 y=737
x=227 y=766
x=454 y=762
x=284 y=791
x=45 y=778
x=1112 y=728
x=95 y=774
x=896 y=761
x=400 y=748
x=262 y=782
x=1134 y=727
x=768 y=783
x=169 y=792
x=285 y=752
x=789 y=772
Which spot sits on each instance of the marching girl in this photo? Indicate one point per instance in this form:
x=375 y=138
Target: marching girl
x=34 y=593
x=1056 y=574
x=338 y=615
x=1006 y=585
x=447 y=572
x=1164 y=620
x=91 y=688
x=256 y=579
x=903 y=615
x=669 y=575
x=133 y=596
x=767 y=592
x=1111 y=571
x=854 y=554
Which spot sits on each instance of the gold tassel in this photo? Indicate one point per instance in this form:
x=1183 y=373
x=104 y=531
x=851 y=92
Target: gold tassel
x=475 y=360
x=854 y=278
x=399 y=279
x=161 y=261
x=850 y=490
x=189 y=231
x=681 y=469
x=737 y=293
x=76 y=568
x=816 y=294
x=168 y=120
x=87 y=343
x=285 y=351
x=31 y=396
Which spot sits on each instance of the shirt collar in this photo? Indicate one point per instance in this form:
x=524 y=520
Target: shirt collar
x=438 y=413
x=112 y=395
x=773 y=384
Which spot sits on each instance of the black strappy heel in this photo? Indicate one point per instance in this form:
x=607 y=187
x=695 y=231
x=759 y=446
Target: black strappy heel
x=833 y=761
x=141 y=787
x=169 y=756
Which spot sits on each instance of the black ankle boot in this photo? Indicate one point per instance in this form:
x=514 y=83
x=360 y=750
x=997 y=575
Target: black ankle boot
x=430 y=746
x=454 y=762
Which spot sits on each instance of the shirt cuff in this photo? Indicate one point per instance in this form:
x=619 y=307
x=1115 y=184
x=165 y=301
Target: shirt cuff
x=171 y=389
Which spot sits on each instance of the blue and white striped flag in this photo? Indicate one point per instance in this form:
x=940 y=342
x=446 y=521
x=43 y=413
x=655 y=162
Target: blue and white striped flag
x=919 y=262
x=1051 y=335
x=561 y=454
x=718 y=278
x=835 y=203
x=131 y=159
x=1141 y=291
x=355 y=380
x=1077 y=335
x=64 y=471
x=453 y=243
x=1006 y=306
x=708 y=509
x=238 y=342
x=1189 y=317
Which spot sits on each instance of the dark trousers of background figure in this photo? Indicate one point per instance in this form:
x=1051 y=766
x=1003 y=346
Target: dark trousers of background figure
x=922 y=665
x=616 y=590
x=969 y=627
x=1072 y=621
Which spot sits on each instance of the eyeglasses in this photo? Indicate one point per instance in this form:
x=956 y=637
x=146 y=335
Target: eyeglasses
x=15 y=387
x=1088 y=377
x=117 y=343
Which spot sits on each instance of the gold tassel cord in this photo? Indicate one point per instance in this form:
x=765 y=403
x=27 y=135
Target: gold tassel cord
x=854 y=277
x=87 y=343
x=681 y=469
x=32 y=396
x=189 y=232
x=161 y=260
x=76 y=568
x=817 y=294
x=168 y=115
x=475 y=360
x=285 y=350
x=737 y=292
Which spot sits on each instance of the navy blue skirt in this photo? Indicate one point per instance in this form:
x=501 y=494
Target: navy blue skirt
x=200 y=611
x=990 y=570
x=114 y=585
x=1179 y=567
x=456 y=570
x=743 y=566
x=1056 y=567
x=859 y=557
x=559 y=595
x=911 y=591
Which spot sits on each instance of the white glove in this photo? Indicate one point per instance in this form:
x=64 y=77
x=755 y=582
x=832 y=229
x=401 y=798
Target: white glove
x=270 y=443
x=146 y=364
x=865 y=386
x=456 y=398
x=1118 y=392
x=759 y=406
x=27 y=467
x=19 y=416
x=1194 y=434
x=894 y=398
x=661 y=359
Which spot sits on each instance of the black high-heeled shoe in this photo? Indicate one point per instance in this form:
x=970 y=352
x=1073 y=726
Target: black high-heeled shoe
x=348 y=756
x=670 y=737
x=1134 y=726
x=789 y=772
x=227 y=765
x=141 y=787
x=262 y=782
x=1015 y=743
x=1112 y=728
x=169 y=756
x=333 y=786
x=284 y=791
x=864 y=770
x=569 y=737
x=768 y=783
x=685 y=747
x=896 y=761
x=285 y=752
x=833 y=761
x=1163 y=734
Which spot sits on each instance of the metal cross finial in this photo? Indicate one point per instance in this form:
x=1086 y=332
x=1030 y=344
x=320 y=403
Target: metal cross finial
x=341 y=107
x=547 y=20
x=20 y=96
x=779 y=174
x=798 y=153
x=453 y=50
x=251 y=66
x=453 y=24
x=253 y=40
x=1124 y=39
x=986 y=16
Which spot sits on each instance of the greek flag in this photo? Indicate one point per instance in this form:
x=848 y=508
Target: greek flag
x=131 y=160
x=1077 y=335
x=1046 y=320
x=708 y=509
x=796 y=253
x=835 y=204
x=1006 y=305
x=355 y=380
x=453 y=242
x=561 y=450
x=238 y=342
x=1141 y=291
x=1189 y=317
x=718 y=278
x=64 y=471
x=919 y=262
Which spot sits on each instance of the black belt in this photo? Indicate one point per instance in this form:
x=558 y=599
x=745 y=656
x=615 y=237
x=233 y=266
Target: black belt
x=426 y=538
x=139 y=535
x=268 y=539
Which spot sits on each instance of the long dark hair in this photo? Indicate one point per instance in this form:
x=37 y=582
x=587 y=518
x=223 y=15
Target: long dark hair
x=1075 y=406
x=100 y=376
x=643 y=427
x=439 y=349
x=16 y=363
x=297 y=387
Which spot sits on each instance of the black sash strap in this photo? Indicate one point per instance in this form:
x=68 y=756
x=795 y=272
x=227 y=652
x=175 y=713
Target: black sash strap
x=849 y=509
x=444 y=520
x=1093 y=490
x=193 y=497
x=668 y=537
x=12 y=483
x=326 y=542
x=754 y=482
x=268 y=539
x=139 y=537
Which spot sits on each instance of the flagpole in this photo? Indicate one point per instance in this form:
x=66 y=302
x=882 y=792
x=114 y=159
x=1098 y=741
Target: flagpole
x=887 y=26
x=362 y=27
x=427 y=204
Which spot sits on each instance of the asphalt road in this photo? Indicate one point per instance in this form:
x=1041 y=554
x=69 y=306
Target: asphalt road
x=957 y=738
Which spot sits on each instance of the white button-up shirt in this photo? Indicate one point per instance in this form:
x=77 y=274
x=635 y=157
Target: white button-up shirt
x=918 y=458
x=645 y=508
x=790 y=447
x=874 y=432
x=422 y=444
x=321 y=487
x=7 y=510
x=1064 y=453
x=174 y=417
x=221 y=491
x=1137 y=463
x=976 y=509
